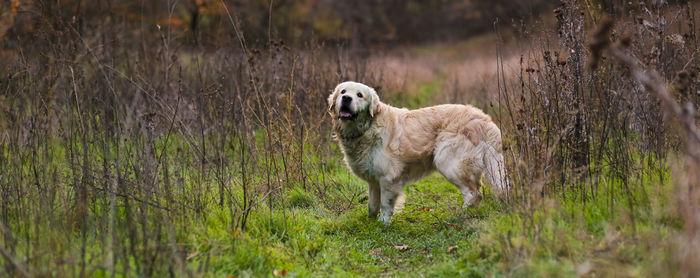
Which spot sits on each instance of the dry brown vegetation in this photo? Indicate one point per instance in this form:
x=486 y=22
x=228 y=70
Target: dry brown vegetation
x=608 y=102
x=128 y=127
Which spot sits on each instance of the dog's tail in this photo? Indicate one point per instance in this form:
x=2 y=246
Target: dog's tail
x=493 y=160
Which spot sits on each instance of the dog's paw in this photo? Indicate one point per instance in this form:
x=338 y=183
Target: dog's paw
x=385 y=219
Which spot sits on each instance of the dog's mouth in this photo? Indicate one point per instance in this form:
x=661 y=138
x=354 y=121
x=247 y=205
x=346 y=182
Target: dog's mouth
x=345 y=115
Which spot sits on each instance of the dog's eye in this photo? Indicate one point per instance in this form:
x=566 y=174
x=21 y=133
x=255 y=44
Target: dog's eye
x=359 y=95
x=342 y=92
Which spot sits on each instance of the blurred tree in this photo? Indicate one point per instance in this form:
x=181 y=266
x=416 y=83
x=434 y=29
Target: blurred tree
x=8 y=10
x=205 y=22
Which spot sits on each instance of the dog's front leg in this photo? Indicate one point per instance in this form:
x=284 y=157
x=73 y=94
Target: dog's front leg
x=388 y=200
x=373 y=202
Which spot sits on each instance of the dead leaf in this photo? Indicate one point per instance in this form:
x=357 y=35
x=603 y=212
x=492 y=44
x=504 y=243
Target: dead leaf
x=451 y=248
x=426 y=209
x=375 y=251
x=231 y=276
x=400 y=260
x=401 y=247
x=278 y=273
x=235 y=233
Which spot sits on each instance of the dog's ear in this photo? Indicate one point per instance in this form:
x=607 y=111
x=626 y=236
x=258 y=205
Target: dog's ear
x=373 y=103
x=331 y=102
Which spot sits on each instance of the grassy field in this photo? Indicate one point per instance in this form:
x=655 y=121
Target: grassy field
x=433 y=236
x=192 y=138
x=318 y=225
x=307 y=233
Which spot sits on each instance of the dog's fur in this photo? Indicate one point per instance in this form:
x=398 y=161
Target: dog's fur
x=390 y=147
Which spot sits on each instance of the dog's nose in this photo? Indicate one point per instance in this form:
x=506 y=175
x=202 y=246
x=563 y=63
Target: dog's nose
x=347 y=99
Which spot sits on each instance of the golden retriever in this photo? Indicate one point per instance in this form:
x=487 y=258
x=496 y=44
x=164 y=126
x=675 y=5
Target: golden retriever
x=389 y=147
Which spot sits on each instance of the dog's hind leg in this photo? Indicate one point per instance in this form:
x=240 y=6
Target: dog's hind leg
x=469 y=187
x=400 y=203
x=455 y=162
x=470 y=193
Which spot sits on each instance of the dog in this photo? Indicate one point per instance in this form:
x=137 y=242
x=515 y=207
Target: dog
x=390 y=147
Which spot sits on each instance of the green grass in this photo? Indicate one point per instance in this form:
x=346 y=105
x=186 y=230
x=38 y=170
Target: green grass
x=553 y=238
x=308 y=233
x=308 y=240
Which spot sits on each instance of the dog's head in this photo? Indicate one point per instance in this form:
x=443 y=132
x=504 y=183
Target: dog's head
x=351 y=100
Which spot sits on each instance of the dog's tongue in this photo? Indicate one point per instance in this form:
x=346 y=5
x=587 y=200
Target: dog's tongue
x=345 y=114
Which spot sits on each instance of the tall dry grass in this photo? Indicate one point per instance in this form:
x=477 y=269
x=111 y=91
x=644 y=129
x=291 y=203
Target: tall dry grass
x=112 y=146
x=599 y=105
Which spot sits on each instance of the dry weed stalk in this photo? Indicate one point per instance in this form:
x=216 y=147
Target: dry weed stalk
x=596 y=134
x=688 y=190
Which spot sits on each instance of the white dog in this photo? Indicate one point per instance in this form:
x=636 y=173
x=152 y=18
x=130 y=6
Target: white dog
x=390 y=147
